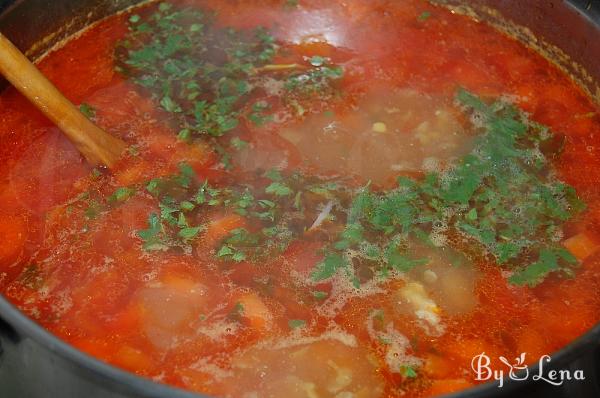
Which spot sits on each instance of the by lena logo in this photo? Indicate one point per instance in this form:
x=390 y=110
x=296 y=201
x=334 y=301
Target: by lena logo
x=519 y=371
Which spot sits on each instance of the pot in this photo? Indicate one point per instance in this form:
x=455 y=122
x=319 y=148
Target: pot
x=34 y=363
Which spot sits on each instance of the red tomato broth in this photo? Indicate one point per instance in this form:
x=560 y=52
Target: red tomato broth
x=92 y=281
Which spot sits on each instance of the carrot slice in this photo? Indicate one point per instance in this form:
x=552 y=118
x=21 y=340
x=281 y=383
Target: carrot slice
x=581 y=245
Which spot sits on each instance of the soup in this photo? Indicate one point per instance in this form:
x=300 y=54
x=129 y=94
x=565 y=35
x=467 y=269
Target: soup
x=319 y=199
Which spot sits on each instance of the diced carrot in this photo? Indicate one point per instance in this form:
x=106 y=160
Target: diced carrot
x=255 y=310
x=13 y=234
x=437 y=366
x=441 y=387
x=581 y=245
x=220 y=227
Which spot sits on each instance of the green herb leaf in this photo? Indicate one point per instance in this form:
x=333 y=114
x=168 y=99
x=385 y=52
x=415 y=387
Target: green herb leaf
x=278 y=189
x=238 y=144
x=88 y=110
x=328 y=267
x=319 y=295
x=189 y=232
x=152 y=236
x=296 y=323
x=121 y=194
x=408 y=371
x=424 y=16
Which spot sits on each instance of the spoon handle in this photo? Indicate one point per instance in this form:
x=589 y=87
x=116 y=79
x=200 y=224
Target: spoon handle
x=97 y=146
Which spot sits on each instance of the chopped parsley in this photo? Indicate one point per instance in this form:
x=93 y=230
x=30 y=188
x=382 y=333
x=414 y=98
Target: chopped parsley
x=182 y=198
x=196 y=71
x=424 y=16
x=319 y=295
x=121 y=194
x=408 y=371
x=206 y=77
x=238 y=143
x=278 y=189
x=296 y=323
x=87 y=110
x=503 y=196
x=93 y=210
x=154 y=236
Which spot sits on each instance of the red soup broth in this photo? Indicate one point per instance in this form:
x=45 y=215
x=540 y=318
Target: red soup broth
x=196 y=316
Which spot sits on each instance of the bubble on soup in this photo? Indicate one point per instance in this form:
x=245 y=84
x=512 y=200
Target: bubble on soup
x=387 y=133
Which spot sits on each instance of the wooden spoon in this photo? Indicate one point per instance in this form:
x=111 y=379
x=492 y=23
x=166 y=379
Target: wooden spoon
x=98 y=147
